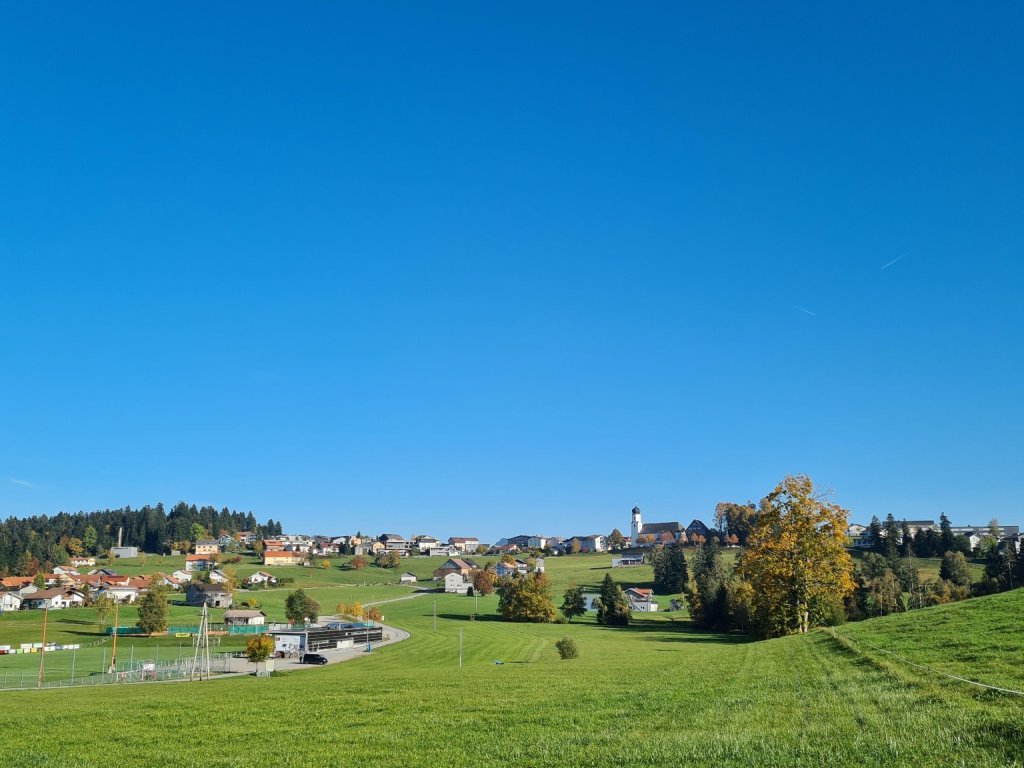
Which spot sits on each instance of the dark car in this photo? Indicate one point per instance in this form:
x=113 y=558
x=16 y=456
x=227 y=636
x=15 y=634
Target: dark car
x=313 y=658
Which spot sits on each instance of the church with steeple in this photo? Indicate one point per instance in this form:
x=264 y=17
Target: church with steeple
x=639 y=528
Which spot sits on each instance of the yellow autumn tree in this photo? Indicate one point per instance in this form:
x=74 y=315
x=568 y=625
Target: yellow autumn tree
x=795 y=560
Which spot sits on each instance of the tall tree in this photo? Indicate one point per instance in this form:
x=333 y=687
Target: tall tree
x=526 y=598
x=795 y=560
x=669 y=570
x=573 y=602
x=891 y=541
x=616 y=541
x=612 y=605
x=706 y=593
x=954 y=568
x=946 y=531
x=299 y=606
x=735 y=519
x=153 y=610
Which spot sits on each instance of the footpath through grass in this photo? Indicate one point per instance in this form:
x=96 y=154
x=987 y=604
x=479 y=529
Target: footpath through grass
x=657 y=693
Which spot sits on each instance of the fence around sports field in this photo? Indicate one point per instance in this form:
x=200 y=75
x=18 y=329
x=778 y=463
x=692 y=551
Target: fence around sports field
x=135 y=671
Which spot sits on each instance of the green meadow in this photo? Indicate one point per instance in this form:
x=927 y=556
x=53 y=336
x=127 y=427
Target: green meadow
x=657 y=693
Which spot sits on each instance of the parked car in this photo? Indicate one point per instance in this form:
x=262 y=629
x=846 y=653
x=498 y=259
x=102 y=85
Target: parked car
x=313 y=658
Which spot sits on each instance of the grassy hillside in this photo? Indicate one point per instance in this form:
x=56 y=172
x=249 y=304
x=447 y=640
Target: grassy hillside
x=658 y=693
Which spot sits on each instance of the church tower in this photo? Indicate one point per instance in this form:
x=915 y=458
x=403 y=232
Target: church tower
x=636 y=526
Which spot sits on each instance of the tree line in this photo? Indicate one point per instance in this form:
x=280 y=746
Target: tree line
x=31 y=544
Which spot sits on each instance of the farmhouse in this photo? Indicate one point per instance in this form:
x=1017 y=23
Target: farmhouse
x=9 y=601
x=282 y=557
x=697 y=528
x=119 y=593
x=218 y=576
x=260 y=577
x=456 y=583
x=459 y=565
x=240 y=618
x=641 y=600
x=54 y=599
x=163 y=580
x=213 y=595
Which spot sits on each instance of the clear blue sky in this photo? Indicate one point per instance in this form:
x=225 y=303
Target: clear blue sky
x=468 y=269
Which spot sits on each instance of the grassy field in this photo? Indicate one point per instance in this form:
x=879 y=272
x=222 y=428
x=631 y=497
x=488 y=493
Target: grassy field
x=657 y=693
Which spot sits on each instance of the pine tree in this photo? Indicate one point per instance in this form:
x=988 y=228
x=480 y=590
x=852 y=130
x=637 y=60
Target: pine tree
x=670 y=574
x=612 y=607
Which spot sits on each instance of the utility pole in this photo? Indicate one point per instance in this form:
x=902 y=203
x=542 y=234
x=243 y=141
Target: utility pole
x=74 y=655
x=42 y=651
x=113 y=652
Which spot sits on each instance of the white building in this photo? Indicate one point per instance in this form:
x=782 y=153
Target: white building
x=9 y=601
x=455 y=583
x=407 y=578
x=641 y=600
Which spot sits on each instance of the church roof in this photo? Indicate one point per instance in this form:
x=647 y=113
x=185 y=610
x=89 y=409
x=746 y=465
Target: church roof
x=660 y=527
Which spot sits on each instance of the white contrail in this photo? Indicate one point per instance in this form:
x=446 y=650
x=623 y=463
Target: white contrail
x=26 y=483
x=812 y=314
x=898 y=258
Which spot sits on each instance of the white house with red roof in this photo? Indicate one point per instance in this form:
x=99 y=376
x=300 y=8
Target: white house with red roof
x=641 y=600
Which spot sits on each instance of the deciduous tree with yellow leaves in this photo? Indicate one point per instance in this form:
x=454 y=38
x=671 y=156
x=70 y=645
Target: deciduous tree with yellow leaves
x=795 y=560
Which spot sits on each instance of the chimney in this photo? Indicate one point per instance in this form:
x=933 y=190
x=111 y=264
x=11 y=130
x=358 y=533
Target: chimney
x=119 y=532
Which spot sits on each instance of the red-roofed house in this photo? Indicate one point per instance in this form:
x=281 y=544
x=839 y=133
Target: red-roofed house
x=641 y=600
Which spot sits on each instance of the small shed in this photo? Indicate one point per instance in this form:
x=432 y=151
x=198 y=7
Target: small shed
x=407 y=578
x=244 y=618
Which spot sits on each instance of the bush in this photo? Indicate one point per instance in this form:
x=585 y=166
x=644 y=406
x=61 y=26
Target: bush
x=561 y=620
x=567 y=648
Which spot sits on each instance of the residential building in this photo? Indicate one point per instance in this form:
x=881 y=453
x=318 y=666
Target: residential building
x=283 y=557
x=213 y=595
x=10 y=601
x=119 y=593
x=456 y=583
x=641 y=600
x=426 y=543
x=594 y=542
x=207 y=547
x=54 y=599
x=459 y=565
x=501 y=570
x=198 y=562
x=444 y=550
x=218 y=576
x=181 y=575
x=394 y=543
x=465 y=544
x=260 y=577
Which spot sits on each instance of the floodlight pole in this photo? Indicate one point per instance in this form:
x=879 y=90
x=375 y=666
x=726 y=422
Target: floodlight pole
x=42 y=651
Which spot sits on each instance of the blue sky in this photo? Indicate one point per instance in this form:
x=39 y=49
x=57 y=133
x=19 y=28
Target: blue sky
x=462 y=269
